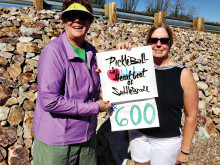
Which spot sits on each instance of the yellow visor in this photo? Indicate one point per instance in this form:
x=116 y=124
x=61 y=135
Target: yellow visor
x=77 y=7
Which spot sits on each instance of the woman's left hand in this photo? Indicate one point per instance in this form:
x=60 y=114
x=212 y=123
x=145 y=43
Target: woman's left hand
x=182 y=158
x=124 y=45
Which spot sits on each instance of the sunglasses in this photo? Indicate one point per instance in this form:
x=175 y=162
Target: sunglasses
x=80 y=15
x=162 y=40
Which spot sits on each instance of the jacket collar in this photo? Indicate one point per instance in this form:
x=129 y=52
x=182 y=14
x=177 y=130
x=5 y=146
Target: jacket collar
x=70 y=52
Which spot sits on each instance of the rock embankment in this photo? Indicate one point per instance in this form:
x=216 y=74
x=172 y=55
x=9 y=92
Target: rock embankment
x=23 y=34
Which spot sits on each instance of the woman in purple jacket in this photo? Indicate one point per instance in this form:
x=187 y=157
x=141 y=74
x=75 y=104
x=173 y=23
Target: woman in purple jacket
x=67 y=105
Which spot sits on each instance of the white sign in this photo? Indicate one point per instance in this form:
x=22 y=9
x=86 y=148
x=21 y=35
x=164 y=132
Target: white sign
x=134 y=115
x=127 y=75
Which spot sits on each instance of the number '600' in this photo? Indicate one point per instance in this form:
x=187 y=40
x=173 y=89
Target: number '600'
x=124 y=121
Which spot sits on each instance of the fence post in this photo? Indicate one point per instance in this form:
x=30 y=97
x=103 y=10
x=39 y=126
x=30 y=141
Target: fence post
x=38 y=4
x=156 y=15
x=160 y=17
x=195 y=24
x=111 y=12
x=198 y=24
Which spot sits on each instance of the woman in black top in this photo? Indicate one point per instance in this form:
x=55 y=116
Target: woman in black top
x=176 y=90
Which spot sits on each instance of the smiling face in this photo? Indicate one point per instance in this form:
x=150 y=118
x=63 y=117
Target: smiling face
x=160 y=50
x=76 y=28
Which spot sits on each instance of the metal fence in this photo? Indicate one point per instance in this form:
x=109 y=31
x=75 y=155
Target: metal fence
x=122 y=15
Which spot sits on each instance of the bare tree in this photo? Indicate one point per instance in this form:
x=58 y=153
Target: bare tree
x=181 y=9
x=129 y=4
x=150 y=6
x=166 y=5
x=154 y=6
x=98 y=2
x=175 y=8
x=178 y=7
x=192 y=12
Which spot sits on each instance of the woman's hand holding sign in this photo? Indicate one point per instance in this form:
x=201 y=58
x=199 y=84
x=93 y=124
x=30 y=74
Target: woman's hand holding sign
x=124 y=45
x=104 y=105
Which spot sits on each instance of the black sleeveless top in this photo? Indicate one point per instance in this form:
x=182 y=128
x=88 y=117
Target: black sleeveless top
x=169 y=102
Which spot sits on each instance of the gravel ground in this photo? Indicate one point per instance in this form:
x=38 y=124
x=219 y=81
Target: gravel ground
x=205 y=152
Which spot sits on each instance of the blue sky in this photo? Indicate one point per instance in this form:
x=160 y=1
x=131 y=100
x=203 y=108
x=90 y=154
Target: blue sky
x=208 y=9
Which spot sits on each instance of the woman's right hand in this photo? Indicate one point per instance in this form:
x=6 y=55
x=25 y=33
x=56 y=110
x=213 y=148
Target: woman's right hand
x=124 y=45
x=97 y=71
x=104 y=105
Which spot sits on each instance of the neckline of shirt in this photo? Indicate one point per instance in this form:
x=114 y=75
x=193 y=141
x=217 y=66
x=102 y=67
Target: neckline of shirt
x=167 y=67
